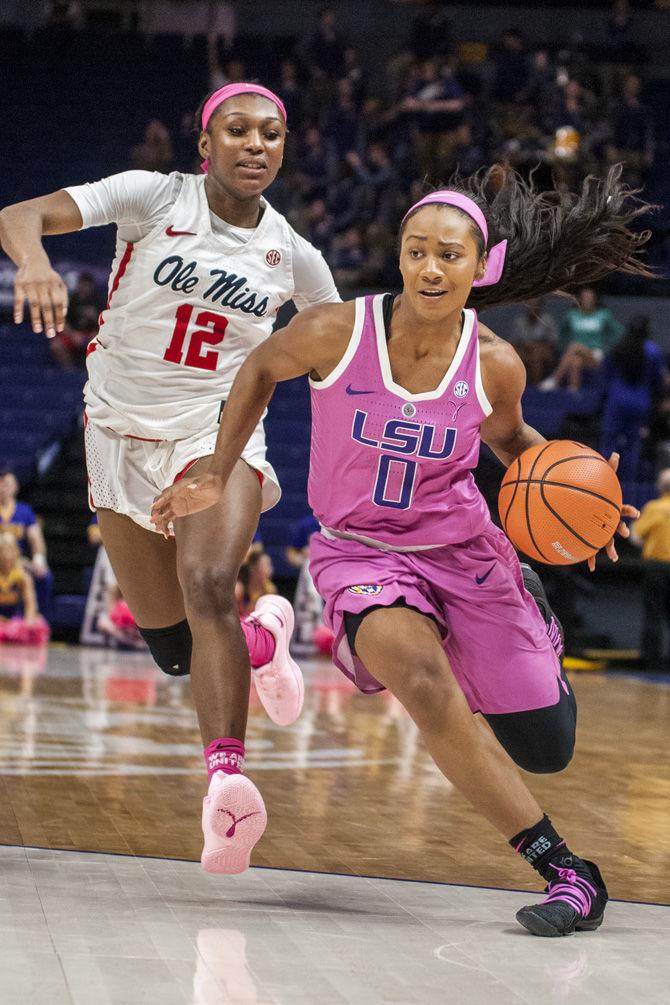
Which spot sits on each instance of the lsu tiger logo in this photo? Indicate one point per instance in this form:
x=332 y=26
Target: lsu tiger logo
x=367 y=589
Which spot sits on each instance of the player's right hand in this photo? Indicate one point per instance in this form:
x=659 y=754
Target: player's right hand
x=188 y=496
x=46 y=294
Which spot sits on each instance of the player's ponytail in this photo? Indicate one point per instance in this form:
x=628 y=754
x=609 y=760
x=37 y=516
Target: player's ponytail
x=556 y=240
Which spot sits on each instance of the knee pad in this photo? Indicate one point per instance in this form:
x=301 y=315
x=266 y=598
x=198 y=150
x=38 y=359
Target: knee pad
x=170 y=647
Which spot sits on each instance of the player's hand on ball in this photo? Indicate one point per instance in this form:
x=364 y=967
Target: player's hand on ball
x=46 y=294
x=623 y=530
x=188 y=496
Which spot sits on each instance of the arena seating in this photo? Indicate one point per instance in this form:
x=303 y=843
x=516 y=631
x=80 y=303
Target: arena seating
x=39 y=403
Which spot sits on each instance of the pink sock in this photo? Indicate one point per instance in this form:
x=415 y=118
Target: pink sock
x=224 y=754
x=260 y=642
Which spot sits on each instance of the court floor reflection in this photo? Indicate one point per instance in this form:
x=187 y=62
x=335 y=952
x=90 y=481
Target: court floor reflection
x=82 y=928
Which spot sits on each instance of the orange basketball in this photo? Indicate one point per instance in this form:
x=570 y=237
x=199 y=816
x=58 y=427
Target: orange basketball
x=560 y=502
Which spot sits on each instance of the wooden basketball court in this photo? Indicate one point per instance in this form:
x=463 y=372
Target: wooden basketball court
x=100 y=752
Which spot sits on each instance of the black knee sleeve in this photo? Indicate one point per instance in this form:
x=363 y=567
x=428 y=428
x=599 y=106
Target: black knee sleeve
x=170 y=647
x=541 y=740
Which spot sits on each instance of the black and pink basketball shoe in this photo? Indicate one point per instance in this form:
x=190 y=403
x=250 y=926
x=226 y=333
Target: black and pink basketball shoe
x=533 y=584
x=576 y=901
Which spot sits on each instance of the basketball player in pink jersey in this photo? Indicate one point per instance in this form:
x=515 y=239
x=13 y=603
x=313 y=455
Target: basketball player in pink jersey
x=202 y=266
x=424 y=593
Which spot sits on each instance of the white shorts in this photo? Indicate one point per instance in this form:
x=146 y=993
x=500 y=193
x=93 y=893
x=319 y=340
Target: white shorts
x=126 y=473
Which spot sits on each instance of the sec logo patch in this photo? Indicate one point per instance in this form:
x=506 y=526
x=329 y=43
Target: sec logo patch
x=367 y=589
x=461 y=388
x=273 y=258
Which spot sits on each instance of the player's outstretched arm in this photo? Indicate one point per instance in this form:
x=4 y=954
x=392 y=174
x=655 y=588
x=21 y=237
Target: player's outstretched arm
x=22 y=227
x=314 y=341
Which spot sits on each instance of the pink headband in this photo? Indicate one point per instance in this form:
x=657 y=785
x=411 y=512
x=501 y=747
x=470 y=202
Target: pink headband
x=230 y=91
x=495 y=258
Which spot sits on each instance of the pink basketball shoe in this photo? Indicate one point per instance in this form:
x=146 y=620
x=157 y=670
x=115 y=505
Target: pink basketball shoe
x=279 y=683
x=233 y=820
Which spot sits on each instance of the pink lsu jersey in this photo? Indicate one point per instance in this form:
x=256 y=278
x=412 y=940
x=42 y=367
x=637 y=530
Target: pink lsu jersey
x=391 y=468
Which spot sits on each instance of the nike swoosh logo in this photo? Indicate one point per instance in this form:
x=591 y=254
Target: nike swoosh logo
x=350 y=390
x=179 y=233
x=482 y=579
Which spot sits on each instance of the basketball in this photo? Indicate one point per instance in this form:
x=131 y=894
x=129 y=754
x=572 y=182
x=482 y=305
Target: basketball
x=560 y=502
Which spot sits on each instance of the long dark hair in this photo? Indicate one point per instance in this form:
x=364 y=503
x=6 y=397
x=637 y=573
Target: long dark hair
x=555 y=240
x=628 y=354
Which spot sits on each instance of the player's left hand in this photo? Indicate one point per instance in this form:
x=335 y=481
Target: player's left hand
x=188 y=496
x=623 y=530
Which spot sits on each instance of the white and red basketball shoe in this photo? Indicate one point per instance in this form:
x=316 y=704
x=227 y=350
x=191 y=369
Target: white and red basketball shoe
x=279 y=683
x=233 y=820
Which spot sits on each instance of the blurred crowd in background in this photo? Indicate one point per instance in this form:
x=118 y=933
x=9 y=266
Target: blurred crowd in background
x=365 y=139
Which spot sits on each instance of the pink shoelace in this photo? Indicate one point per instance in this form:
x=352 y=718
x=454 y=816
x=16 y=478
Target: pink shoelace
x=573 y=890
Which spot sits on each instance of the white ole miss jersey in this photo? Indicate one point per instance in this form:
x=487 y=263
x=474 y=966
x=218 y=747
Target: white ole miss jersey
x=189 y=298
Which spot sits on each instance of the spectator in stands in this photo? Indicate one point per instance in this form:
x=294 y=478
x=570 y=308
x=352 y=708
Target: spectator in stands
x=66 y=14
x=541 y=83
x=635 y=374
x=348 y=258
x=292 y=94
x=535 y=338
x=186 y=158
x=81 y=323
x=20 y=621
x=18 y=519
x=341 y=124
x=468 y=154
x=155 y=152
x=652 y=532
x=315 y=166
x=619 y=26
x=346 y=200
x=255 y=580
x=437 y=112
x=632 y=132
x=510 y=68
x=587 y=331
x=432 y=32
x=324 y=51
x=355 y=74
x=658 y=442
x=379 y=180
x=223 y=23
x=116 y=621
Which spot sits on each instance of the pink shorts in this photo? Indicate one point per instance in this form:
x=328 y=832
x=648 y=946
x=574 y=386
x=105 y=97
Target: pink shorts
x=493 y=633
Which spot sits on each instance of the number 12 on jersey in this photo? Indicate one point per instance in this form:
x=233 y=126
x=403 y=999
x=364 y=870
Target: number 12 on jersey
x=209 y=331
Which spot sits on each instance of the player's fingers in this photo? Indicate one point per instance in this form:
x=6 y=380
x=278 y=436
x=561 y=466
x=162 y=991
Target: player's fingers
x=614 y=461
x=623 y=529
x=611 y=551
x=33 y=298
x=592 y=563
x=160 y=525
x=19 y=301
x=59 y=299
x=46 y=310
x=630 y=511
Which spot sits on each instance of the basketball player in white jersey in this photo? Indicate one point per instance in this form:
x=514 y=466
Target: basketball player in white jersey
x=202 y=266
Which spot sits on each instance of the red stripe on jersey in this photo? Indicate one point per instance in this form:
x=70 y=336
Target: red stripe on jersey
x=185 y=470
x=123 y=265
x=190 y=464
x=92 y=345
